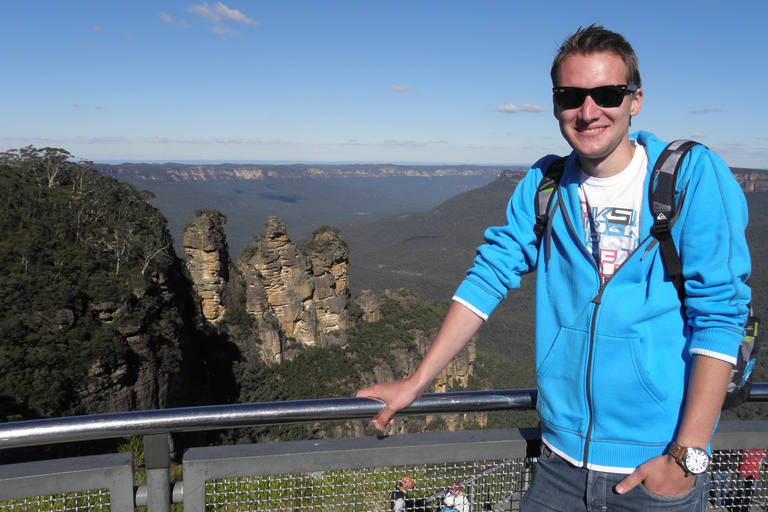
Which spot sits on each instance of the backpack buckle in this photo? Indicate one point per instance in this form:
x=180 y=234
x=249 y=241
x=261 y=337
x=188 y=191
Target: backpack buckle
x=661 y=227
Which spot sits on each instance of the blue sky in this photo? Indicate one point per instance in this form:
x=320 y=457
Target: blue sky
x=362 y=81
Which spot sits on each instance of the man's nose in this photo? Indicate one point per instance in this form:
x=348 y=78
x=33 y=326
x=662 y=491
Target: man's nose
x=590 y=110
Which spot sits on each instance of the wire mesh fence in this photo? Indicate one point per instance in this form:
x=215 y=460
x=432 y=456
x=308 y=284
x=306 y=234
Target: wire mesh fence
x=479 y=485
x=95 y=501
x=739 y=484
x=739 y=481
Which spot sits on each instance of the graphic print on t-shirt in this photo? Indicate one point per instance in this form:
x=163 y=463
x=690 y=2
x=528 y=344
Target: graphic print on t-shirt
x=611 y=209
x=613 y=233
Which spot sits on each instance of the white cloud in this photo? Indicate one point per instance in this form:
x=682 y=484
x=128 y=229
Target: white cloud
x=405 y=88
x=698 y=135
x=511 y=109
x=225 y=31
x=233 y=14
x=219 y=15
x=98 y=29
x=85 y=46
x=168 y=20
x=205 y=11
x=706 y=110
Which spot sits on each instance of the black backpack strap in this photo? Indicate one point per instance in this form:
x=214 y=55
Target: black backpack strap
x=662 y=198
x=545 y=192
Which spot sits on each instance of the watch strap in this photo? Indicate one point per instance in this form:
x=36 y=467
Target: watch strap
x=679 y=454
x=676 y=451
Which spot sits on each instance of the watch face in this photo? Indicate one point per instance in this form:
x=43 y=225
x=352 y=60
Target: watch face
x=696 y=460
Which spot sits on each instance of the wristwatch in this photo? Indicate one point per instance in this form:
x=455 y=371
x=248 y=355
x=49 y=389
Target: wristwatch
x=693 y=460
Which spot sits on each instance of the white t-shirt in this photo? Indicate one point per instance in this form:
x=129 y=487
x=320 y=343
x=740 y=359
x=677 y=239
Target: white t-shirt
x=611 y=209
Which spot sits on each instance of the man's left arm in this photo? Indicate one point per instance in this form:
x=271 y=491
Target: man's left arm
x=662 y=475
x=716 y=264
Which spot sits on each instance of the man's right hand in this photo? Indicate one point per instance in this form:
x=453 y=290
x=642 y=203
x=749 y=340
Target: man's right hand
x=395 y=395
x=458 y=327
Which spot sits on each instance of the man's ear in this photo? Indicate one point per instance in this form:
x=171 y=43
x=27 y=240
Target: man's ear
x=637 y=103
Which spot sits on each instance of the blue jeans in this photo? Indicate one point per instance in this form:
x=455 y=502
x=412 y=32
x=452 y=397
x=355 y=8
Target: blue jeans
x=559 y=486
x=721 y=482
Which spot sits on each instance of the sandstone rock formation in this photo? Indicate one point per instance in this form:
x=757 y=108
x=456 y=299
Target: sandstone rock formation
x=751 y=181
x=297 y=294
x=210 y=265
x=370 y=305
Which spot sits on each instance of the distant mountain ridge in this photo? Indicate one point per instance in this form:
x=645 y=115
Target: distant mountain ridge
x=302 y=196
x=176 y=173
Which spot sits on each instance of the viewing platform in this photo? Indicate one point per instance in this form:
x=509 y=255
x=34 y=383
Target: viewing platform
x=493 y=467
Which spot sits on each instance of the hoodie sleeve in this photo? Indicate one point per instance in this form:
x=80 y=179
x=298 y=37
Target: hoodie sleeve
x=715 y=256
x=509 y=250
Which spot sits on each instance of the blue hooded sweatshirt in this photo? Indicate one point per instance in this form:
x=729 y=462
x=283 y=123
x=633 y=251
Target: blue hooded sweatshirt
x=613 y=360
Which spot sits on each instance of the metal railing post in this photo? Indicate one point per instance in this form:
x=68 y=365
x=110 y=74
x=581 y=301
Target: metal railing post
x=157 y=460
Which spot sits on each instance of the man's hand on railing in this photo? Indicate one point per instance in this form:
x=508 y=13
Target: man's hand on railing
x=395 y=395
x=459 y=326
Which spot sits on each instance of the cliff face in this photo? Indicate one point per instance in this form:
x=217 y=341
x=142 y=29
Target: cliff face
x=297 y=294
x=455 y=375
x=137 y=382
x=751 y=181
x=100 y=315
x=210 y=266
x=179 y=173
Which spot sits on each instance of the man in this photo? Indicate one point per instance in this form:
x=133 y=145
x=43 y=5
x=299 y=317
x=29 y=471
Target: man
x=629 y=380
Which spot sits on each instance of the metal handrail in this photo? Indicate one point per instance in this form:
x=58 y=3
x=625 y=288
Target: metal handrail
x=189 y=419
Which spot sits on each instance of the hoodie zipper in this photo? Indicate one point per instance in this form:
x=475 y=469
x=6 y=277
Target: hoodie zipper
x=598 y=298
x=597 y=301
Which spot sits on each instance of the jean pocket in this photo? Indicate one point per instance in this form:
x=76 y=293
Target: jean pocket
x=683 y=498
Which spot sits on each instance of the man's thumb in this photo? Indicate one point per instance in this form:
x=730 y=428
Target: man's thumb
x=628 y=483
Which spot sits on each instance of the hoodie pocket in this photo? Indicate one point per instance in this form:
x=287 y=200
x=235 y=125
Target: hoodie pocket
x=622 y=382
x=561 y=381
x=619 y=379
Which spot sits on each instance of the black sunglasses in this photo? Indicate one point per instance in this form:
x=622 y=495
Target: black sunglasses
x=606 y=96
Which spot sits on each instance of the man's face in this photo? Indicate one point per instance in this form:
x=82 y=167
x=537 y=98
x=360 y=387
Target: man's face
x=599 y=135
